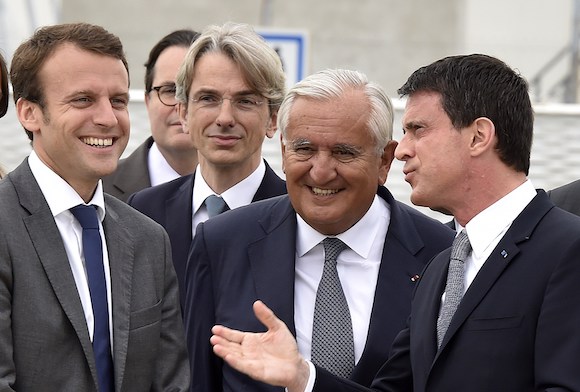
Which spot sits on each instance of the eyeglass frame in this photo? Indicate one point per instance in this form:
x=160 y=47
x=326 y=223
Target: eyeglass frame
x=158 y=88
x=234 y=101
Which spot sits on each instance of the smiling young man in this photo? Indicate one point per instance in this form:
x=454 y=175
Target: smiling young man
x=337 y=150
x=88 y=299
x=229 y=89
x=169 y=152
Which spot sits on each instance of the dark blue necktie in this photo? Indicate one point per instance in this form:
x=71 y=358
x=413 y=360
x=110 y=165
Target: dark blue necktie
x=93 y=252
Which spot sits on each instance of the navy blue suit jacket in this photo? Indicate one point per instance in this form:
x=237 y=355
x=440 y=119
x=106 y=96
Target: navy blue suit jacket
x=249 y=253
x=170 y=205
x=516 y=328
x=567 y=197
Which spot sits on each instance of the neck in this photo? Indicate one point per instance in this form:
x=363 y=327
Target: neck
x=222 y=178
x=477 y=199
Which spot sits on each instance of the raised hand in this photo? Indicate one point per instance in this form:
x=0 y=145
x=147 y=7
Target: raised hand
x=271 y=357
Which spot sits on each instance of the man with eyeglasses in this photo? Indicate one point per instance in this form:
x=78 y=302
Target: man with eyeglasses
x=169 y=152
x=229 y=88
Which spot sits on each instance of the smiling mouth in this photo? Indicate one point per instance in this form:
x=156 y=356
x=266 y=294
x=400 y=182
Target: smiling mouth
x=97 y=142
x=323 y=192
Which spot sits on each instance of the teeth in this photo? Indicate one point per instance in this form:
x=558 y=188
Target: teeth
x=93 y=141
x=324 y=192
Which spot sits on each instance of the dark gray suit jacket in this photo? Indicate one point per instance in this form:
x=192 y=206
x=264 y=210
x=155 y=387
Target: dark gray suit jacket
x=44 y=339
x=132 y=173
x=567 y=197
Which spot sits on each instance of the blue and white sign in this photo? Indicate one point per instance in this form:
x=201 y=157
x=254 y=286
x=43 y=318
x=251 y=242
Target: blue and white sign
x=292 y=46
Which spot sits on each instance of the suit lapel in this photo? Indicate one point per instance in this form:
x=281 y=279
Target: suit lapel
x=121 y=258
x=133 y=172
x=271 y=185
x=178 y=223
x=49 y=246
x=401 y=245
x=503 y=254
x=274 y=277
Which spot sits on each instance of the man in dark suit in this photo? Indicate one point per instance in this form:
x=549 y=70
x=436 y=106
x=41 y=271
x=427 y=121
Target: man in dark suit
x=567 y=197
x=337 y=150
x=229 y=89
x=72 y=318
x=513 y=280
x=169 y=152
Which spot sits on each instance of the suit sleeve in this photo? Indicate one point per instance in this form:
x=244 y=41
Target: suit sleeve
x=557 y=339
x=7 y=367
x=206 y=367
x=172 y=364
x=393 y=376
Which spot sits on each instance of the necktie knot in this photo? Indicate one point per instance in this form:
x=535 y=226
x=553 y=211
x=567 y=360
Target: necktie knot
x=461 y=247
x=332 y=248
x=86 y=215
x=215 y=205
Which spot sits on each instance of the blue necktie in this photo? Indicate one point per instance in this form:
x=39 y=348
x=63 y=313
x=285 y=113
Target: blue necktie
x=93 y=252
x=215 y=205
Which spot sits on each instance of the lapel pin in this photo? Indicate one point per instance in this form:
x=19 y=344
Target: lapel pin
x=415 y=278
x=504 y=253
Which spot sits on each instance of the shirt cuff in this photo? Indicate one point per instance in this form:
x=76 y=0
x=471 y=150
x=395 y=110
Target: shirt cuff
x=311 y=378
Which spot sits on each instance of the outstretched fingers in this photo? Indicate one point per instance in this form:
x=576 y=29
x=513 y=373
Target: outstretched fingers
x=270 y=356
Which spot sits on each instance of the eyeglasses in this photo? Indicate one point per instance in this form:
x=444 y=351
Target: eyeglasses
x=166 y=94
x=244 y=103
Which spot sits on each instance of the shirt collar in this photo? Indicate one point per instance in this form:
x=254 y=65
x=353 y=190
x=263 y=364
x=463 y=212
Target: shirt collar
x=359 y=237
x=160 y=171
x=238 y=195
x=59 y=195
x=496 y=219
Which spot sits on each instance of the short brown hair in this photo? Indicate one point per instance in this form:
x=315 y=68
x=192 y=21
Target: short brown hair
x=3 y=87
x=31 y=55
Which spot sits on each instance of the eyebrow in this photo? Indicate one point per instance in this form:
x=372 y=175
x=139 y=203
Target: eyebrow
x=207 y=90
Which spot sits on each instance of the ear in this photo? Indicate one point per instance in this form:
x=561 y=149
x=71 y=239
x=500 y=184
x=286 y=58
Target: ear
x=182 y=110
x=283 y=150
x=30 y=115
x=482 y=136
x=385 y=161
x=272 y=127
x=147 y=99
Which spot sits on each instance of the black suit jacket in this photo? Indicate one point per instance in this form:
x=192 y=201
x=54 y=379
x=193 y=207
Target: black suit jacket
x=516 y=328
x=249 y=254
x=567 y=197
x=169 y=204
x=132 y=173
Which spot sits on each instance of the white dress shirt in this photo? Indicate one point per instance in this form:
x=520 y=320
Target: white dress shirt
x=60 y=197
x=358 y=269
x=486 y=229
x=238 y=195
x=160 y=171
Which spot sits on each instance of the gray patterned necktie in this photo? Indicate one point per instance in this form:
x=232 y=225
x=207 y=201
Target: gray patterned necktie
x=332 y=339
x=215 y=205
x=454 y=287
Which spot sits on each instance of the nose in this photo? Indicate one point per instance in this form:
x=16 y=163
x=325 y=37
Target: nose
x=105 y=115
x=404 y=151
x=225 y=117
x=323 y=168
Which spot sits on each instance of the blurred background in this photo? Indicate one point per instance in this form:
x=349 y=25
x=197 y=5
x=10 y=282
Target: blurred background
x=386 y=39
